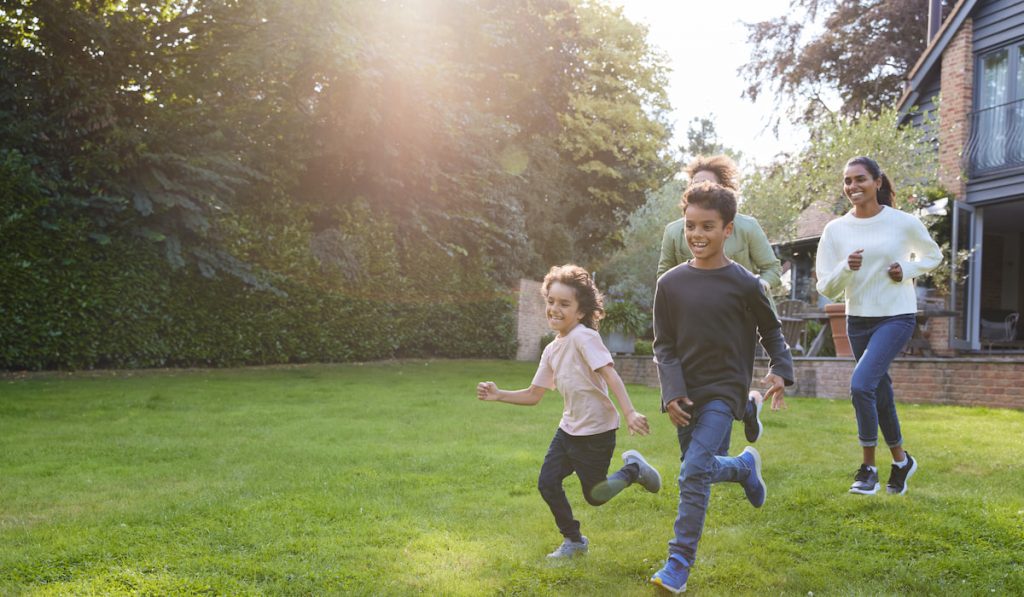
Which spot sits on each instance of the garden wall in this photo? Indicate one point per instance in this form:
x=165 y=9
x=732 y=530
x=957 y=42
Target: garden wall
x=988 y=382
x=531 y=323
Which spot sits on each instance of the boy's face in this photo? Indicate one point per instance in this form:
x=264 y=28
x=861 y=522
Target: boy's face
x=563 y=310
x=705 y=234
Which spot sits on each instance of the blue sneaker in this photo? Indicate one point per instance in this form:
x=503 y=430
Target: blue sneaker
x=752 y=426
x=672 y=577
x=756 y=490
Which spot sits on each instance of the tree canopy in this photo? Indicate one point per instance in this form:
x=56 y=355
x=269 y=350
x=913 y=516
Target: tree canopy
x=827 y=53
x=236 y=135
x=778 y=193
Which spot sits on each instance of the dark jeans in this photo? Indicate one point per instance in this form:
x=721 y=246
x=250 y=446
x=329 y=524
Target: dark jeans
x=876 y=341
x=702 y=467
x=586 y=455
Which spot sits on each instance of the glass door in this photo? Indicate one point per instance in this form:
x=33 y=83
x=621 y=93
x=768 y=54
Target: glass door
x=965 y=280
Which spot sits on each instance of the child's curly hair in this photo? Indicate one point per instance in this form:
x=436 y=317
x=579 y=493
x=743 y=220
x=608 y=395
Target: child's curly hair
x=589 y=298
x=721 y=165
x=709 y=195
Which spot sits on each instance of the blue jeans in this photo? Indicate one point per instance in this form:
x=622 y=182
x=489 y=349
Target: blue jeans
x=876 y=341
x=699 y=442
x=586 y=455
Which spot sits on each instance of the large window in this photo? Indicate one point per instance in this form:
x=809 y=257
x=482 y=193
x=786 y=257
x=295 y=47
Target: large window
x=997 y=124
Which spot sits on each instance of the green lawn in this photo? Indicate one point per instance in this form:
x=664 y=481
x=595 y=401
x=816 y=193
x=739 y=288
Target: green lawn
x=393 y=479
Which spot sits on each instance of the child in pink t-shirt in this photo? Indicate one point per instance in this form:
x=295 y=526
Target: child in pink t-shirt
x=577 y=363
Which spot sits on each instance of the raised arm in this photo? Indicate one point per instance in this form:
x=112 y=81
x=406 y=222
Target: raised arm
x=924 y=247
x=489 y=391
x=635 y=422
x=831 y=268
x=769 y=268
x=670 y=256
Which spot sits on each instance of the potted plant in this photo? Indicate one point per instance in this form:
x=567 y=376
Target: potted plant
x=837 y=319
x=623 y=321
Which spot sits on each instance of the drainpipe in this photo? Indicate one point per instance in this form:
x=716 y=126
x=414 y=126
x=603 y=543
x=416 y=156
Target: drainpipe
x=934 y=18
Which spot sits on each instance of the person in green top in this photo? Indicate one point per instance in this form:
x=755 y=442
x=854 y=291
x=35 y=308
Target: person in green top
x=748 y=245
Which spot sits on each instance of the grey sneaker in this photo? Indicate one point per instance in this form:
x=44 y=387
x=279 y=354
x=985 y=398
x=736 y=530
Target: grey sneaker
x=899 y=476
x=570 y=548
x=752 y=427
x=649 y=477
x=866 y=481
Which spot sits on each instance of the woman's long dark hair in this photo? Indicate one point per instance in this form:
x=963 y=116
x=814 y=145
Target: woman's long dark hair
x=885 y=192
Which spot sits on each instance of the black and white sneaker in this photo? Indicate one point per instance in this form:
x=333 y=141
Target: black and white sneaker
x=752 y=427
x=866 y=481
x=898 y=478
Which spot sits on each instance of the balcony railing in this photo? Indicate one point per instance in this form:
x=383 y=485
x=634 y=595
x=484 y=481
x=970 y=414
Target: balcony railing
x=997 y=139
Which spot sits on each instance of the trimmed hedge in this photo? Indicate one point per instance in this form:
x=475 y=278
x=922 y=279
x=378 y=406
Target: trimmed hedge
x=69 y=302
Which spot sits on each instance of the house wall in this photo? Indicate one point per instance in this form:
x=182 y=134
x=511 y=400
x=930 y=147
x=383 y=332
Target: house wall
x=991 y=383
x=955 y=108
x=997 y=23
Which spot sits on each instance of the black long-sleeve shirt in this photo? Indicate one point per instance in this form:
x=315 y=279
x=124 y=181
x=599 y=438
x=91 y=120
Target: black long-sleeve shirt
x=705 y=325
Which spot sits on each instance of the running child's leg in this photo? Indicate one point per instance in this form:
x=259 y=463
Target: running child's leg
x=701 y=468
x=590 y=457
x=557 y=466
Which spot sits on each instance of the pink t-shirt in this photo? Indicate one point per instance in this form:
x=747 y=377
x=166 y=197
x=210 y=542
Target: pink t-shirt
x=569 y=364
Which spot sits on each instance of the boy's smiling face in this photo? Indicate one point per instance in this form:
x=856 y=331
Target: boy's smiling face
x=705 y=235
x=563 y=310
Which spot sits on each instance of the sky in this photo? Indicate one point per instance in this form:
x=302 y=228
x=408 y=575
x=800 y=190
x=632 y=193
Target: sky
x=706 y=42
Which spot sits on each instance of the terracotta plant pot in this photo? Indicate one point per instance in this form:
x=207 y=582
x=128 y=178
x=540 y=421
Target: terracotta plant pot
x=837 y=320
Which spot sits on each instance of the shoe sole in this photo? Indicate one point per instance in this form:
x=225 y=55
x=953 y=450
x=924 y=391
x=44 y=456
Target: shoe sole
x=906 y=482
x=757 y=471
x=865 y=491
x=675 y=591
x=757 y=417
x=643 y=462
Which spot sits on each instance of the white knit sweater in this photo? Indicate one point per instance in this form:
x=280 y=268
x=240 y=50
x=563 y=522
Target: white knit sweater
x=887 y=237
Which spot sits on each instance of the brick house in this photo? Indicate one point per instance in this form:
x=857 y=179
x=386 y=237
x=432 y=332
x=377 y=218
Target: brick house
x=974 y=62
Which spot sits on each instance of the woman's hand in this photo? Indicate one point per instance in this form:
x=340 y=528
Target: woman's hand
x=896 y=272
x=854 y=259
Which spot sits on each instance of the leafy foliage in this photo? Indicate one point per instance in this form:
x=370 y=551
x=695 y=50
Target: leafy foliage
x=825 y=51
x=778 y=193
x=319 y=151
x=631 y=272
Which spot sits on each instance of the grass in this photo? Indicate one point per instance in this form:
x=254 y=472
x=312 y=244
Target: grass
x=392 y=478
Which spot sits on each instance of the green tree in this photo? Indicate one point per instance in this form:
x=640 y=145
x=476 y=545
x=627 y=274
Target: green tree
x=702 y=139
x=824 y=51
x=778 y=193
x=631 y=271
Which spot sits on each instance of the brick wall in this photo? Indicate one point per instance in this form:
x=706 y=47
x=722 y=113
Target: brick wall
x=967 y=382
x=532 y=325
x=955 y=108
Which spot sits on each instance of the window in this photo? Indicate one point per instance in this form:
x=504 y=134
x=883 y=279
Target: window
x=997 y=135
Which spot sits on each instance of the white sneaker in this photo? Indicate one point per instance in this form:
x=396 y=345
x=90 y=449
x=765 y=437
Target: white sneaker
x=570 y=548
x=649 y=477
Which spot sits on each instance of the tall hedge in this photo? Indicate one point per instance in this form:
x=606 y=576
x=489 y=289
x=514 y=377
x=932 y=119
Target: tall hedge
x=68 y=301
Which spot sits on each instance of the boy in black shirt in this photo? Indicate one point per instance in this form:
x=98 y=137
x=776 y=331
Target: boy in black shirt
x=707 y=313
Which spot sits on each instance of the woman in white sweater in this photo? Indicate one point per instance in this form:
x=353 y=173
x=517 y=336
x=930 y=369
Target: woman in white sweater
x=871 y=256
